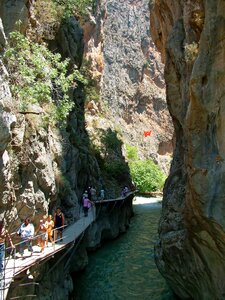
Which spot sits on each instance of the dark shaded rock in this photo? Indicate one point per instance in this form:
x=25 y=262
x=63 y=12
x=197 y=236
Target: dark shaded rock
x=70 y=40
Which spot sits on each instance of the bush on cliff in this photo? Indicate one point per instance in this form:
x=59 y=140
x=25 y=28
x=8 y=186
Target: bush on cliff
x=117 y=169
x=70 y=7
x=131 y=153
x=147 y=175
x=37 y=76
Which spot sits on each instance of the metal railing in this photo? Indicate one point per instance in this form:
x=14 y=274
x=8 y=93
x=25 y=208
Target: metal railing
x=11 y=253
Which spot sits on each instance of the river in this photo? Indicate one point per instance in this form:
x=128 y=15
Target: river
x=124 y=269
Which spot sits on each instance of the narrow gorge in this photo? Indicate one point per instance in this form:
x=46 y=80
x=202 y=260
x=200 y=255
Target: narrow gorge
x=81 y=84
x=87 y=89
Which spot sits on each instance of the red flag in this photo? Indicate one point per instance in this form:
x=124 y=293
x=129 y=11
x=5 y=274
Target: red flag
x=147 y=133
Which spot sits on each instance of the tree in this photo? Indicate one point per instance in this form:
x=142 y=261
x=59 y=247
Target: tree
x=147 y=175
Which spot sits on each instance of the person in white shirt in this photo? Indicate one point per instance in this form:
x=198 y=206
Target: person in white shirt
x=26 y=233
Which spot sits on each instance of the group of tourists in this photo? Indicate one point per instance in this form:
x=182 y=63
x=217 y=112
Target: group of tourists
x=90 y=196
x=48 y=229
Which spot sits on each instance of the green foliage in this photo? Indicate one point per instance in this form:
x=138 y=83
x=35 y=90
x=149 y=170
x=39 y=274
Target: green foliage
x=38 y=76
x=48 y=19
x=70 y=7
x=50 y=14
x=131 y=153
x=147 y=175
x=111 y=141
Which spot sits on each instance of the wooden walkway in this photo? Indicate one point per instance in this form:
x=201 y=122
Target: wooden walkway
x=14 y=266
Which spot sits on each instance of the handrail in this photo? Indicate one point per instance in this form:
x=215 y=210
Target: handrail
x=54 y=229
x=35 y=237
x=96 y=201
x=13 y=269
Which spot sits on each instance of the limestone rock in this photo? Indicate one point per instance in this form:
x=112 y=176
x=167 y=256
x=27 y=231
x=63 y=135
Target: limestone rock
x=7 y=119
x=2 y=36
x=92 y=107
x=12 y=11
x=120 y=48
x=70 y=40
x=191 y=247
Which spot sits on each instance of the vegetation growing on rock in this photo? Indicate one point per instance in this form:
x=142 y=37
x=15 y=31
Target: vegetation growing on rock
x=191 y=51
x=38 y=76
x=69 y=7
x=145 y=173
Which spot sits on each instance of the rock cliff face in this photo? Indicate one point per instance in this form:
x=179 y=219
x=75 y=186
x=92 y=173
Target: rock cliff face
x=191 y=248
x=130 y=75
x=41 y=167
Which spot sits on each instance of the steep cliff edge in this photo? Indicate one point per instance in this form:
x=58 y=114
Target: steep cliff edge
x=191 y=247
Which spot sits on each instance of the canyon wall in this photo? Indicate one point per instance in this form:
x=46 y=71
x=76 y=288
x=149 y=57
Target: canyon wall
x=129 y=72
x=42 y=166
x=191 y=247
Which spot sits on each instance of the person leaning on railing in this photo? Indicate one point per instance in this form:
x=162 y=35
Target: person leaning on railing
x=3 y=235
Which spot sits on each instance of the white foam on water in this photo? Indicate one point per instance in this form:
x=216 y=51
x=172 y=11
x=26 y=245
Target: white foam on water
x=146 y=200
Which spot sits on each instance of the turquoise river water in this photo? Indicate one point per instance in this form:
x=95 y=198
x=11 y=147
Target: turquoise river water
x=124 y=269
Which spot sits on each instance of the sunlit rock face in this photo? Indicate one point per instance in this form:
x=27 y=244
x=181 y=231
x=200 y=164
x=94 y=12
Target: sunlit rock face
x=128 y=68
x=191 y=247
